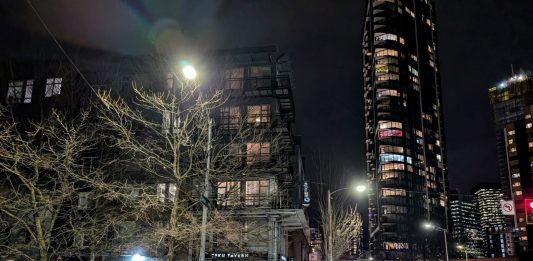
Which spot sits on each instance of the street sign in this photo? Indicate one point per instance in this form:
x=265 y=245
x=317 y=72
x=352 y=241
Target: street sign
x=508 y=208
x=205 y=201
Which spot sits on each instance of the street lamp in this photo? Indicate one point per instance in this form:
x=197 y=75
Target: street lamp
x=461 y=247
x=137 y=257
x=430 y=226
x=189 y=72
x=358 y=188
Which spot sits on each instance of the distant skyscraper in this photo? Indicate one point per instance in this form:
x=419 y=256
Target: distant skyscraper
x=406 y=157
x=465 y=227
x=496 y=241
x=512 y=101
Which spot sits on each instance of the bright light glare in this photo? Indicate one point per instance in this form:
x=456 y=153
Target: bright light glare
x=531 y=204
x=137 y=257
x=189 y=72
x=360 y=188
x=428 y=225
x=460 y=247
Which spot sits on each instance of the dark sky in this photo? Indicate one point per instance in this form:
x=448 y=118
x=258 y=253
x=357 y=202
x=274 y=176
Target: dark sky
x=478 y=40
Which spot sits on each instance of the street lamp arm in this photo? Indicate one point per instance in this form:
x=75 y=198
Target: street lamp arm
x=337 y=190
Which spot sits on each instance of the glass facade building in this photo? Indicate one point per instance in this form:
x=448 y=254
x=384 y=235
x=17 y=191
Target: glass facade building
x=406 y=156
x=496 y=241
x=512 y=102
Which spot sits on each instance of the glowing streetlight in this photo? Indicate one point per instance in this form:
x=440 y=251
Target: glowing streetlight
x=461 y=247
x=189 y=72
x=430 y=226
x=360 y=188
x=137 y=257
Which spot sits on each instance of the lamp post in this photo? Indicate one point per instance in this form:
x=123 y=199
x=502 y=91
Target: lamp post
x=431 y=226
x=461 y=247
x=359 y=189
x=189 y=72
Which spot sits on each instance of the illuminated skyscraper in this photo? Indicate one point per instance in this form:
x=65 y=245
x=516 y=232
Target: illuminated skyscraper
x=406 y=157
x=512 y=102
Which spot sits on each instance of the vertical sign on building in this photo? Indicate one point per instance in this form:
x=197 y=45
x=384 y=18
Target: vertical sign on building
x=307 y=196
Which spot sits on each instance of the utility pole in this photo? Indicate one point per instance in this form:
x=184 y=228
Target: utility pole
x=330 y=229
x=206 y=193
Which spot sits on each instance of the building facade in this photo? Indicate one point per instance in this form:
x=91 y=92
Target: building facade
x=497 y=241
x=269 y=199
x=465 y=229
x=405 y=143
x=264 y=191
x=512 y=102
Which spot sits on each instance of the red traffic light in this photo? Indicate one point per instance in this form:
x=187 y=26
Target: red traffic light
x=529 y=203
x=529 y=210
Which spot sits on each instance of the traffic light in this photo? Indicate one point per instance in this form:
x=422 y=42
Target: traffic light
x=529 y=211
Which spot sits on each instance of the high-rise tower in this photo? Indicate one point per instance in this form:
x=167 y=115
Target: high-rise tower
x=406 y=157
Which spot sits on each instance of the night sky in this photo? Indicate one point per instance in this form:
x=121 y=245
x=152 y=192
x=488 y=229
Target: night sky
x=478 y=40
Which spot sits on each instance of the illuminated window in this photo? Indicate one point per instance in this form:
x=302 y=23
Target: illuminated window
x=228 y=193
x=53 y=87
x=389 y=125
x=234 y=78
x=510 y=141
x=413 y=70
x=390 y=175
x=529 y=125
x=388 y=77
x=387 y=92
x=390 y=133
x=259 y=113
x=528 y=116
x=387 y=192
x=388 y=157
x=257 y=192
x=230 y=117
x=530 y=144
x=402 y=41
x=392 y=166
x=260 y=76
x=512 y=150
x=516 y=175
x=395 y=245
x=166 y=191
x=390 y=149
x=511 y=132
x=386 y=61
x=257 y=152
x=518 y=192
x=385 y=37
x=410 y=12
x=516 y=184
x=260 y=71
x=386 y=52
x=19 y=91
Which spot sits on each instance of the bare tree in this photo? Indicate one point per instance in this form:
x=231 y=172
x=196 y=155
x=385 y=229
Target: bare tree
x=340 y=222
x=346 y=224
x=162 y=134
x=41 y=168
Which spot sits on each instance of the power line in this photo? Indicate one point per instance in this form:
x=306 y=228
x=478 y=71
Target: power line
x=59 y=45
